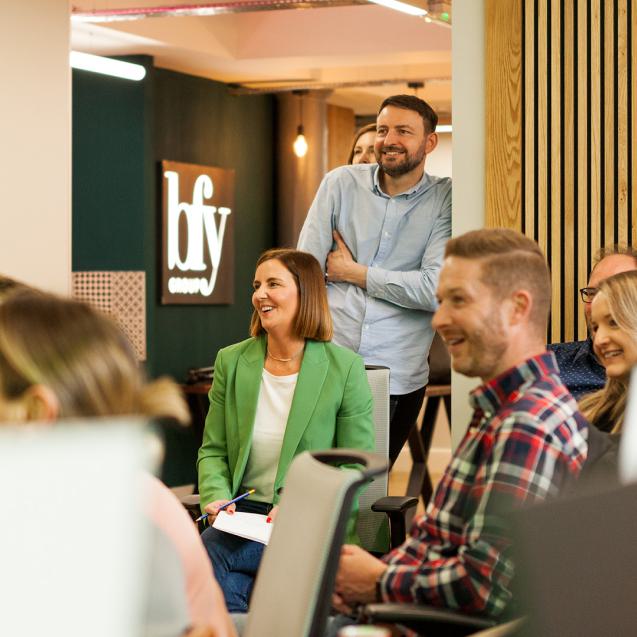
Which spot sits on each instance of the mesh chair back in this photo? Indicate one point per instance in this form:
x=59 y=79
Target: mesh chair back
x=292 y=592
x=373 y=528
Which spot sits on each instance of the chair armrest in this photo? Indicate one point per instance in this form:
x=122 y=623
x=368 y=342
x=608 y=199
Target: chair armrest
x=191 y=504
x=426 y=619
x=396 y=507
x=394 y=504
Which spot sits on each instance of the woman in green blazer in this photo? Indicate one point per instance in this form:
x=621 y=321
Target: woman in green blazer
x=284 y=391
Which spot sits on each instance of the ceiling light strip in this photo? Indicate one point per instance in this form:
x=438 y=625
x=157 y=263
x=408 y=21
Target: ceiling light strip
x=107 y=66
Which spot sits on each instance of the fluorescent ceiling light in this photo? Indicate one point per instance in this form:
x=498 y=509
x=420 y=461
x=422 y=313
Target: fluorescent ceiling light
x=107 y=66
x=401 y=6
x=443 y=128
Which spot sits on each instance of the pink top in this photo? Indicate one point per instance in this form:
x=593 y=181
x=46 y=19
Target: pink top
x=205 y=599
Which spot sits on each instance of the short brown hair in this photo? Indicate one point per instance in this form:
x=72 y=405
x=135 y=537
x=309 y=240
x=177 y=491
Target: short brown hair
x=413 y=103
x=313 y=320
x=361 y=131
x=510 y=261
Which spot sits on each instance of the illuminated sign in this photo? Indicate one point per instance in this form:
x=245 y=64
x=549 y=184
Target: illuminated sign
x=197 y=234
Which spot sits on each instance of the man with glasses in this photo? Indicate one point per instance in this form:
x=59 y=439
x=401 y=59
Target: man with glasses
x=580 y=370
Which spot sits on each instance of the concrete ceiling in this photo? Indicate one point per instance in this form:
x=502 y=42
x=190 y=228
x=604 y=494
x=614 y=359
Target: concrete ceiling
x=372 y=50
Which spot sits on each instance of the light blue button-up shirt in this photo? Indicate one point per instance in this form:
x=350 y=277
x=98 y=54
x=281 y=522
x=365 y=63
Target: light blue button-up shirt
x=401 y=239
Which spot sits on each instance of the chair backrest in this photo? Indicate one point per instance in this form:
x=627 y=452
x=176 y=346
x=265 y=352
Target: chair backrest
x=439 y=362
x=373 y=528
x=628 y=447
x=72 y=539
x=576 y=561
x=292 y=592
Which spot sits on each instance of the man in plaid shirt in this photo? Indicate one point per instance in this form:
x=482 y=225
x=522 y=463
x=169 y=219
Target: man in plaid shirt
x=526 y=439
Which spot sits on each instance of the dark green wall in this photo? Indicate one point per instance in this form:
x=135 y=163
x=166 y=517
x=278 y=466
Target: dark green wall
x=196 y=121
x=110 y=154
x=121 y=130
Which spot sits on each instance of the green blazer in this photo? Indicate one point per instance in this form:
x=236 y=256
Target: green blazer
x=331 y=407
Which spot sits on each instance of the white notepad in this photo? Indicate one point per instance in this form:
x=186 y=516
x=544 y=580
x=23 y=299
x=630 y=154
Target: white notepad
x=251 y=526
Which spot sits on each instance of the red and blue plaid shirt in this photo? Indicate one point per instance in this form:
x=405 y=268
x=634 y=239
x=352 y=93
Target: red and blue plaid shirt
x=526 y=440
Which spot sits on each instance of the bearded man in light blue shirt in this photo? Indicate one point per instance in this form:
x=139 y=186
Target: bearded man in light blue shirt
x=380 y=229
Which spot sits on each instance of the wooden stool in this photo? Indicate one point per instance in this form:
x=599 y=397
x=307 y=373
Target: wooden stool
x=419 y=483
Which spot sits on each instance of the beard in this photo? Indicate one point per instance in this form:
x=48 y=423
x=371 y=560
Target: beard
x=404 y=166
x=486 y=347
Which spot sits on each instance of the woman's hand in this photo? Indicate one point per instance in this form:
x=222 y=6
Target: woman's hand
x=213 y=508
x=273 y=513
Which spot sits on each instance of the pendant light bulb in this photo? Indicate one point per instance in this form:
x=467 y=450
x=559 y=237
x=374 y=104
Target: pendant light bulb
x=300 y=143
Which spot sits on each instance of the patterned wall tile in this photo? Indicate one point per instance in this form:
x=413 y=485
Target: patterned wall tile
x=120 y=294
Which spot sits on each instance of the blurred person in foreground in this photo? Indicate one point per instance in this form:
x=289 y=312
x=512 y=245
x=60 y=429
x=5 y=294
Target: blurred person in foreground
x=526 y=441
x=60 y=359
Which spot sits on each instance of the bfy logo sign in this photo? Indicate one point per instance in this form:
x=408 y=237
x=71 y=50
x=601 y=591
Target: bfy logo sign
x=197 y=234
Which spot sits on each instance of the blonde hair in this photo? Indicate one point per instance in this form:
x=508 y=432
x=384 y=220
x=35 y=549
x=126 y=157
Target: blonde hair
x=81 y=356
x=609 y=403
x=9 y=286
x=313 y=319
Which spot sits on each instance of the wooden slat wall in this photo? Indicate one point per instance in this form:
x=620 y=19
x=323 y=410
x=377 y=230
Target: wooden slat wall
x=503 y=112
x=561 y=163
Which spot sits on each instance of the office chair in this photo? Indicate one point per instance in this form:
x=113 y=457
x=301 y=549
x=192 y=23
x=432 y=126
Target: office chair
x=63 y=571
x=381 y=523
x=293 y=589
x=379 y=513
x=583 y=567
x=427 y=620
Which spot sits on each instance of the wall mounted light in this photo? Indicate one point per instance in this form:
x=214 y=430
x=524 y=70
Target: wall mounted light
x=415 y=86
x=300 y=143
x=107 y=66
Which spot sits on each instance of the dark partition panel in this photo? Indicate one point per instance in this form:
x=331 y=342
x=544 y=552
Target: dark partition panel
x=121 y=130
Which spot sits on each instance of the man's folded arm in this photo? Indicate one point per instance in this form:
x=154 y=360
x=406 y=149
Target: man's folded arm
x=415 y=289
x=316 y=234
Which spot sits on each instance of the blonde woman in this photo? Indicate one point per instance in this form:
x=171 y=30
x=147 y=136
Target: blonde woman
x=614 y=331
x=61 y=359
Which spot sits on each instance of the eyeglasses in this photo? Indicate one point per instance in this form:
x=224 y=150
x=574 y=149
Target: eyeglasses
x=588 y=294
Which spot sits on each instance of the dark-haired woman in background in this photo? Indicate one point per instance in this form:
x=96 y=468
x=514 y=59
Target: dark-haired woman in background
x=362 y=151
x=283 y=391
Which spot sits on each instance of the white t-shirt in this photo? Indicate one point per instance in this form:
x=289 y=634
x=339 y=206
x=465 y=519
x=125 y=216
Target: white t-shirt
x=273 y=409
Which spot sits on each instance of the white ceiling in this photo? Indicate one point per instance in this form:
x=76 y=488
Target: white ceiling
x=353 y=44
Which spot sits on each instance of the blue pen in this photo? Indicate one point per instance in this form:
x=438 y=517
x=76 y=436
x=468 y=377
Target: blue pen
x=227 y=504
